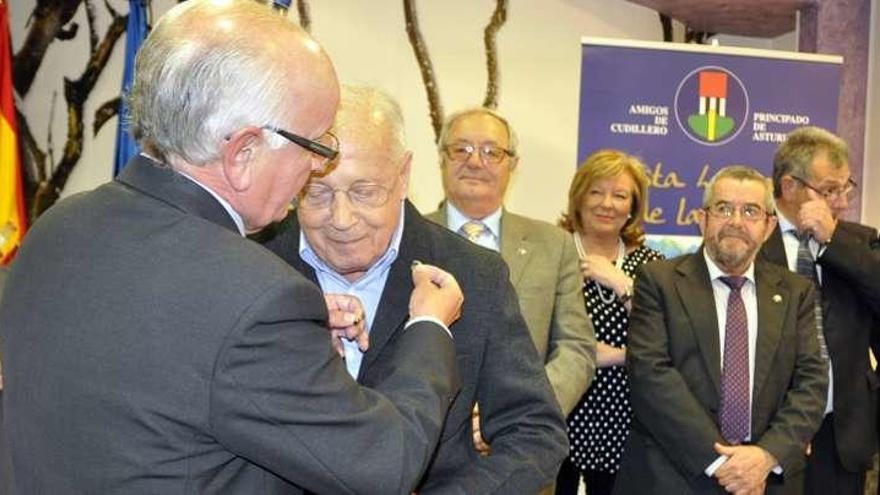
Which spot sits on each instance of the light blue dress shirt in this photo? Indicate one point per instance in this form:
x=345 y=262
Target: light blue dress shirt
x=368 y=288
x=491 y=238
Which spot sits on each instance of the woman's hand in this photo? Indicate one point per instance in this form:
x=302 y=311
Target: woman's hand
x=601 y=270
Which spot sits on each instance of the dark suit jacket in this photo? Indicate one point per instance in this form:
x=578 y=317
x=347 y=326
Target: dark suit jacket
x=850 y=305
x=152 y=349
x=674 y=369
x=499 y=366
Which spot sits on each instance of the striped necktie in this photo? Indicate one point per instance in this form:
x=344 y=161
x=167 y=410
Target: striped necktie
x=806 y=266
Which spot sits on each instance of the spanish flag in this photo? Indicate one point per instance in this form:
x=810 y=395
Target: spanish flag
x=12 y=212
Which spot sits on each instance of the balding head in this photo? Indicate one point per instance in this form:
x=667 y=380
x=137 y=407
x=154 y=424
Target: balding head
x=230 y=93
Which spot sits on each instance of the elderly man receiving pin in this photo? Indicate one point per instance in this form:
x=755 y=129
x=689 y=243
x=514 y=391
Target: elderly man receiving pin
x=354 y=232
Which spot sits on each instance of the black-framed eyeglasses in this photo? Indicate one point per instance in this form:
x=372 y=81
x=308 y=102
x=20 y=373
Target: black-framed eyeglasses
x=831 y=193
x=748 y=212
x=490 y=154
x=360 y=194
x=326 y=146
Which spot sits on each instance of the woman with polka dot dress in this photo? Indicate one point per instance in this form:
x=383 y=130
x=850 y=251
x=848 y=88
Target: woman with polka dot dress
x=606 y=205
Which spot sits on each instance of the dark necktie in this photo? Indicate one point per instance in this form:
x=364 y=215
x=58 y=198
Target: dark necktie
x=806 y=266
x=735 y=412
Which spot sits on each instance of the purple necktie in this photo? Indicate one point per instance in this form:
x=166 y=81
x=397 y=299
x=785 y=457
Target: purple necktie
x=735 y=410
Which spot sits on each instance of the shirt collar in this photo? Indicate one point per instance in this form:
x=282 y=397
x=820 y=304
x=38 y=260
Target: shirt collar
x=225 y=204
x=715 y=272
x=785 y=225
x=455 y=219
x=307 y=254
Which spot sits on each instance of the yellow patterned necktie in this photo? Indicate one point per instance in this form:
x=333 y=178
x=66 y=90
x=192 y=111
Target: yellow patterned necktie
x=473 y=230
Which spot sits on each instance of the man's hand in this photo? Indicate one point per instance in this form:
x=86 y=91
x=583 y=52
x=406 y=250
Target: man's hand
x=346 y=321
x=436 y=293
x=746 y=469
x=815 y=216
x=480 y=444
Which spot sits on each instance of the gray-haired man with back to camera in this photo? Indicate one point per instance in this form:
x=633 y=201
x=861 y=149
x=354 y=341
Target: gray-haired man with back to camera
x=149 y=347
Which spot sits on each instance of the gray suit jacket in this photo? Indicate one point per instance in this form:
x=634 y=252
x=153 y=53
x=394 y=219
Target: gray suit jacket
x=545 y=272
x=674 y=368
x=149 y=348
x=498 y=363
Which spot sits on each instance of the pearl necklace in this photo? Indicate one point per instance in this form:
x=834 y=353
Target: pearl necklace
x=621 y=254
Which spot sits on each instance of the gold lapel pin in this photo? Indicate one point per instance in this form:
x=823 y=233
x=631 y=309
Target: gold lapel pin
x=777 y=298
x=521 y=251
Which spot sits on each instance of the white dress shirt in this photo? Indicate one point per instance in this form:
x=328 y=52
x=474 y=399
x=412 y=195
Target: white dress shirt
x=748 y=292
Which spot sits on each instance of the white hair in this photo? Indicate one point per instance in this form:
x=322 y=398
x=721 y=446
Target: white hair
x=197 y=81
x=513 y=140
x=355 y=100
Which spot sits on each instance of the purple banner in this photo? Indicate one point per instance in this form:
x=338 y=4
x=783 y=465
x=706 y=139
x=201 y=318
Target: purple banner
x=690 y=110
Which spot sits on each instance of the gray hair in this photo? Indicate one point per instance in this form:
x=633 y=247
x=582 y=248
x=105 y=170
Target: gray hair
x=513 y=141
x=740 y=173
x=197 y=81
x=795 y=156
x=357 y=100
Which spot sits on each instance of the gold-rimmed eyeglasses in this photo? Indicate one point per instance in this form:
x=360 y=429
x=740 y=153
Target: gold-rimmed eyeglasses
x=360 y=194
x=489 y=154
x=748 y=212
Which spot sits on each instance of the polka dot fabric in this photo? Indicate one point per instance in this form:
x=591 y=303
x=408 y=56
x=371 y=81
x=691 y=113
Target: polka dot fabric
x=599 y=425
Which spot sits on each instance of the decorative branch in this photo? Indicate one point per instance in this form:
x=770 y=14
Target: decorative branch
x=50 y=138
x=47 y=20
x=497 y=20
x=425 y=67
x=75 y=93
x=666 y=24
x=33 y=158
x=93 y=32
x=104 y=113
x=696 y=37
x=68 y=33
x=305 y=18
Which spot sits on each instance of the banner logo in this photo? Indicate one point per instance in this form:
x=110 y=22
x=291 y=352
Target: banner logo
x=711 y=105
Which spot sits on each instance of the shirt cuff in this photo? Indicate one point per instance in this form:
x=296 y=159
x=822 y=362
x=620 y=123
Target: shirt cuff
x=418 y=319
x=710 y=471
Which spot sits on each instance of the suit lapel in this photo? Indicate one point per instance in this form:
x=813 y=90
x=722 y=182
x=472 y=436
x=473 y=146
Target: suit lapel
x=440 y=216
x=287 y=247
x=773 y=299
x=773 y=249
x=695 y=292
x=393 y=309
x=516 y=249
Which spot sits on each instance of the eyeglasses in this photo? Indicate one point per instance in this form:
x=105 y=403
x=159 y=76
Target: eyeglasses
x=363 y=195
x=831 y=193
x=325 y=148
x=726 y=211
x=489 y=153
